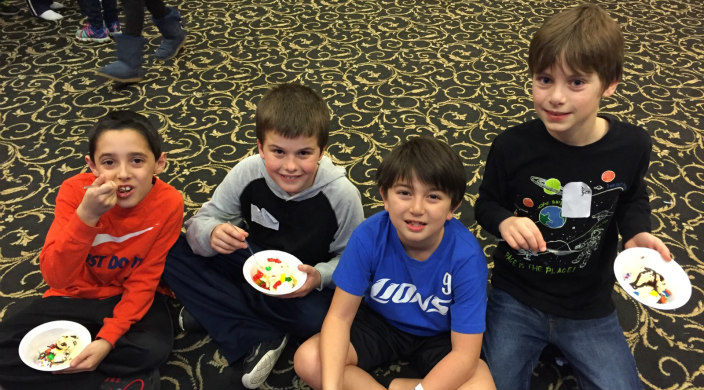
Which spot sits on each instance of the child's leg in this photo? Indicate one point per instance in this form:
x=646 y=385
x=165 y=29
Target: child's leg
x=515 y=336
x=134 y=17
x=157 y=8
x=145 y=346
x=213 y=290
x=109 y=11
x=38 y=7
x=91 y=9
x=598 y=353
x=14 y=374
x=307 y=364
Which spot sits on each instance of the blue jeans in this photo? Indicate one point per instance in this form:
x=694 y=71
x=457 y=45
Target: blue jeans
x=516 y=335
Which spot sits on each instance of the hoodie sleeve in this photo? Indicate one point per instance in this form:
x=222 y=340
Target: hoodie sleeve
x=224 y=206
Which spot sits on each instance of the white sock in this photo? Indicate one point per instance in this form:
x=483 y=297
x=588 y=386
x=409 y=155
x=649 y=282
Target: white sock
x=56 y=5
x=51 y=15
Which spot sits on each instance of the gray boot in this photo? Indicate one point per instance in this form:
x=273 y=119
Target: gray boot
x=128 y=67
x=173 y=35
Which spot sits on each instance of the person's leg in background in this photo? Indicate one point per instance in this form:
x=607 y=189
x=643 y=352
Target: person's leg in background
x=93 y=30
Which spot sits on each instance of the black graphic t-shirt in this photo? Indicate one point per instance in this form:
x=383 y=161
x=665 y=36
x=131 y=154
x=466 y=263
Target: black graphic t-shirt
x=581 y=199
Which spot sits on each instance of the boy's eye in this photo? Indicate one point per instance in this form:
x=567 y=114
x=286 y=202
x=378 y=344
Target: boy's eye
x=544 y=79
x=108 y=162
x=403 y=193
x=137 y=160
x=304 y=153
x=434 y=196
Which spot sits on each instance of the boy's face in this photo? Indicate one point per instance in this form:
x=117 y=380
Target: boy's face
x=124 y=157
x=418 y=212
x=291 y=162
x=568 y=101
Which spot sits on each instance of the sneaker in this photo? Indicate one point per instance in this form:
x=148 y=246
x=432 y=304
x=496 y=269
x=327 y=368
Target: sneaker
x=186 y=321
x=8 y=10
x=50 y=16
x=56 y=6
x=88 y=33
x=148 y=380
x=260 y=362
x=114 y=28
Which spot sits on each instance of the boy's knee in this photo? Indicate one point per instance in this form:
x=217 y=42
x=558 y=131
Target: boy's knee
x=306 y=362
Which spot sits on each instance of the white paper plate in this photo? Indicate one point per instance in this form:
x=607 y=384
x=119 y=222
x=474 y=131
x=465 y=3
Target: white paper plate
x=39 y=338
x=250 y=268
x=676 y=279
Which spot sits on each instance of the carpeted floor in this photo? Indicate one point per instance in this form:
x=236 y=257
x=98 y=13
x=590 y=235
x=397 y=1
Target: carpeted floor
x=390 y=70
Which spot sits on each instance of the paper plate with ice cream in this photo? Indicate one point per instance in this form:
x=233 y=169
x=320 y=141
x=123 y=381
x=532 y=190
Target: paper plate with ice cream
x=52 y=345
x=274 y=272
x=650 y=280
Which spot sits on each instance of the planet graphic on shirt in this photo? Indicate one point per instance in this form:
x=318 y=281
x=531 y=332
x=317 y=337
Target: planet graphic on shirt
x=550 y=186
x=551 y=216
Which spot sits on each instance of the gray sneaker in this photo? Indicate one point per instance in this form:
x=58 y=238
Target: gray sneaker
x=260 y=362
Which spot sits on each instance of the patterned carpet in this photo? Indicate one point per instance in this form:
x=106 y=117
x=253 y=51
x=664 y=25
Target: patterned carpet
x=390 y=70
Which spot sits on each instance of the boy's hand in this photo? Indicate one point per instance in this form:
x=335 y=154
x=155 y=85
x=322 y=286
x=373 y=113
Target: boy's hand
x=100 y=197
x=89 y=358
x=522 y=233
x=312 y=282
x=227 y=238
x=647 y=240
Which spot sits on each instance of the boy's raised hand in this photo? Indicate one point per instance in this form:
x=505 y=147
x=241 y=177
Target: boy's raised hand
x=227 y=238
x=100 y=197
x=522 y=233
x=647 y=240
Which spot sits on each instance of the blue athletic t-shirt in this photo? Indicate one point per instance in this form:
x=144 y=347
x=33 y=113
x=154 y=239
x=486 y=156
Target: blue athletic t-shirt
x=445 y=292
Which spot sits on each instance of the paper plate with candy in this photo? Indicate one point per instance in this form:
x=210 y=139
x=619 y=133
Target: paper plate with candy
x=52 y=345
x=652 y=281
x=274 y=272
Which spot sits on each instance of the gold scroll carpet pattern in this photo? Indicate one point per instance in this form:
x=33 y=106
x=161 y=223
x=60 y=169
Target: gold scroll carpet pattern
x=389 y=70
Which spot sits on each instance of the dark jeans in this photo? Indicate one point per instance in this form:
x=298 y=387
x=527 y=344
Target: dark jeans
x=92 y=10
x=134 y=14
x=237 y=316
x=146 y=345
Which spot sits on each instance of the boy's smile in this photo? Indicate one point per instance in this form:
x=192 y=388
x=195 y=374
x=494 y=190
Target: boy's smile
x=125 y=158
x=568 y=101
x=418 y=212
x=291 y=162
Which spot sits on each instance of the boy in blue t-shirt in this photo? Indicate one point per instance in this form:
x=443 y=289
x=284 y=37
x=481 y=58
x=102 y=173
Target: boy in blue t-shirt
x=411 y=284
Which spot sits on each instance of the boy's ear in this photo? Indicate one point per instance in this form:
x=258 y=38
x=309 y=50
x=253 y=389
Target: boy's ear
x=259 y=149
x=160 y=164
x=382 y=191
x=451 y=214
x=92 y=166
x=610 y=89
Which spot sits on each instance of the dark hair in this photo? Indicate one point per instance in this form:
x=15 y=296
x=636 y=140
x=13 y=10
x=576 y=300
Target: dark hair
x=430 y=160
x=125 y=120
x=293 y=110
x=585 y=38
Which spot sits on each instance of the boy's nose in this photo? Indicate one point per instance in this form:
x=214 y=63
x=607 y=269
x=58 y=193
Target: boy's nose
x=289 y=164
x=417 y=206
x=557 y=96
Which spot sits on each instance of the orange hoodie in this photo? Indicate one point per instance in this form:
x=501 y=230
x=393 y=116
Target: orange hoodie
x=123 y=255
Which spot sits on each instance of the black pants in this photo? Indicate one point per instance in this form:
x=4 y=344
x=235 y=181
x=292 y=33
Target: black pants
x=146 y=345
x=134 y=14
x=236 y=315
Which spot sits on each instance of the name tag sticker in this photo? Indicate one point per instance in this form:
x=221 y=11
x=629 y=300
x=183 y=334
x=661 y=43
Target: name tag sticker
x=576 y=200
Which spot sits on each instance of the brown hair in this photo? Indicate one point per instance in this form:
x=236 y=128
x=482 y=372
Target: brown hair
x=293 y=110
x=584 y=38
